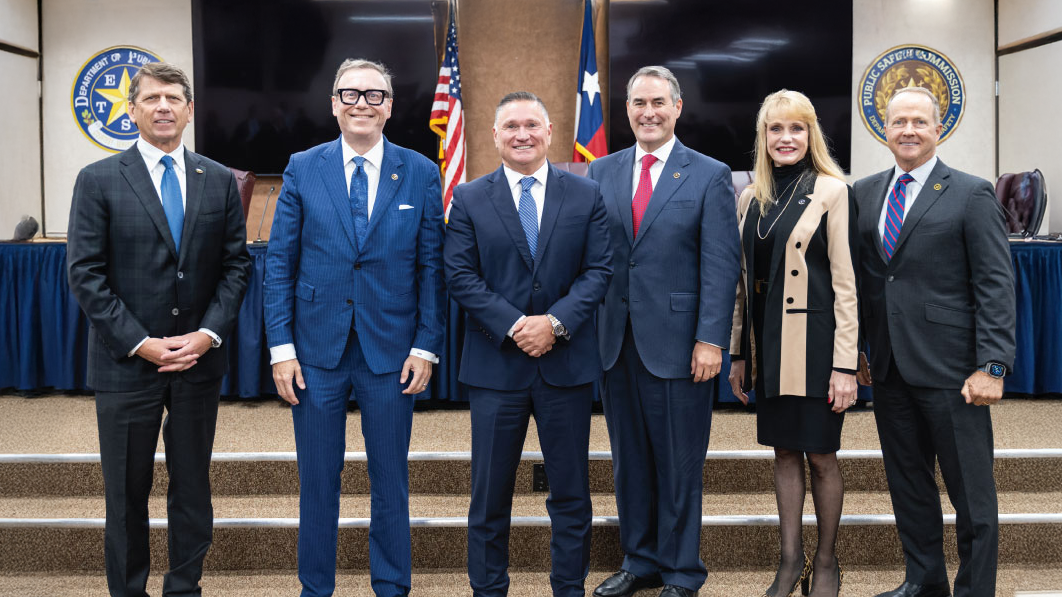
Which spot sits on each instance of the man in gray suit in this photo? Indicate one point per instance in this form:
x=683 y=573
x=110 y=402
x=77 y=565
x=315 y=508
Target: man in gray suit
x=158 y=261
x=937 y=299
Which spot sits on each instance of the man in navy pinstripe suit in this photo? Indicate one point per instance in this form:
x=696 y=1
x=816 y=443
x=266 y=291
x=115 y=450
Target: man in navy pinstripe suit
x=354 y=306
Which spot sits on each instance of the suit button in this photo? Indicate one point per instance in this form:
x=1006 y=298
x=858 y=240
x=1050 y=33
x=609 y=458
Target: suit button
x=357 y=265
x=175 y=311
x=789 y=300
x=350 y=302
x=536 y=286
x=633 y=264
x=180 y=275
x=890 y=278
x=798 y=244
x=623 y=299
x=794 y=272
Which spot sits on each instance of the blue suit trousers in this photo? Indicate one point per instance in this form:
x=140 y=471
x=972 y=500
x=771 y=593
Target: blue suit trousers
x=320 y=439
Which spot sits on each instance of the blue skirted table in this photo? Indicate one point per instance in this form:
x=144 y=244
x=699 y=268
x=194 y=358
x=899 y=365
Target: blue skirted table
x=43 y=333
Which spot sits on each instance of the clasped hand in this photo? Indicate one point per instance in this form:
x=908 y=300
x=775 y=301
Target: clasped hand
x=534 y=335
x=176 y=353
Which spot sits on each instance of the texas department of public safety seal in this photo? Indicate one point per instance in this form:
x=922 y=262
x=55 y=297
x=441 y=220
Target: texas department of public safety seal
x=99 y=98
x=911 y=66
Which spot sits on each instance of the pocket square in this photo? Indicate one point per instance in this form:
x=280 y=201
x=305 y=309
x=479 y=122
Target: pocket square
x=405 y=206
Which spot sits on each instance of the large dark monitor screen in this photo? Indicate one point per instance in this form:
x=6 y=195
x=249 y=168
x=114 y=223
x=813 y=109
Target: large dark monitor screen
x=727 y=56
x=264 y=71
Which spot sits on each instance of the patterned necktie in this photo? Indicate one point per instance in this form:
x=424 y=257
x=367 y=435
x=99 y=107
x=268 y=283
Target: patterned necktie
x=359 y=199
x=643 y=192
x=529 y=214
x=894 y=215
x=171 y=201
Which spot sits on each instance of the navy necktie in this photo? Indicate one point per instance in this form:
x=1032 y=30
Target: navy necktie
x=529 y=214
x=359 y=199
x=171 y=201
x=894 y=215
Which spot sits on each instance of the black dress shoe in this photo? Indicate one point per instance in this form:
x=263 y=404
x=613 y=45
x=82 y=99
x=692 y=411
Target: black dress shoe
x=624 y=584
x=912 y=590
x=676 y=591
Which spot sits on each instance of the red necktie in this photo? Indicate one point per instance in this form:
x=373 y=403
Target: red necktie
x=643 y=192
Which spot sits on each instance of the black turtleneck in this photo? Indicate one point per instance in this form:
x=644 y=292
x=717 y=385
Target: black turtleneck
x=785 y=177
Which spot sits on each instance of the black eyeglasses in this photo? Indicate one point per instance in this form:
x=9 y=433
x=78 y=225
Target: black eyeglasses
x=373 y=97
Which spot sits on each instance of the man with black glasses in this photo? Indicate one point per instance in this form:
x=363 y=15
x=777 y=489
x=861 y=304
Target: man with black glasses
x=354 y=307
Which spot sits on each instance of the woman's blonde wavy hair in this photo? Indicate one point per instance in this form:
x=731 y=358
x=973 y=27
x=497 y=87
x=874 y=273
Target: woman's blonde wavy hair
x=792 y=105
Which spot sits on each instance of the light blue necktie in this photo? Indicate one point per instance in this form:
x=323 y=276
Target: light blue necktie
x=529 y=214
x=894 y=215
x=171 y=201
x=359 y=199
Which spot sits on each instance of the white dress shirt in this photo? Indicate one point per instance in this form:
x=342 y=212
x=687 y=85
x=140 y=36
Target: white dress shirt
x=661 y=154
x=538 y=193
x=920 y=175
x=373 y=161
x=152 y=157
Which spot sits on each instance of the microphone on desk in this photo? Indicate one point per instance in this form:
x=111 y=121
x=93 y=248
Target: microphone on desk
x=265 y=210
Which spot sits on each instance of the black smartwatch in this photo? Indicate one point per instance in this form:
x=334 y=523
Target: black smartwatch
x=996 y=370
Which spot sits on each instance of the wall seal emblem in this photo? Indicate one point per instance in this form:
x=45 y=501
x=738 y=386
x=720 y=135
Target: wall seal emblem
x=99 y=96
x=911 y=66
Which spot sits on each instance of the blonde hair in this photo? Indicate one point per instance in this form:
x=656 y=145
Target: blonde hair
x=796 y=106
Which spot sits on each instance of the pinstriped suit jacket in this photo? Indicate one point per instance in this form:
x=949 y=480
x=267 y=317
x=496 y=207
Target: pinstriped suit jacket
x=318 y=282
x=126 y=274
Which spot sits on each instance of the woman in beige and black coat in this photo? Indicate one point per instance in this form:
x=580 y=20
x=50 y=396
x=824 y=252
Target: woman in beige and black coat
x=796 y=326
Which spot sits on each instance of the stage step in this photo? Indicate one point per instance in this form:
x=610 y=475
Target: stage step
x=275 y=473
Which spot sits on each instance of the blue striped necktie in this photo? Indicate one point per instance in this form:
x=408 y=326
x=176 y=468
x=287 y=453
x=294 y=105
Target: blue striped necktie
x=529 y=214
x=894 y=215
x=171 y=201
x=359 y=199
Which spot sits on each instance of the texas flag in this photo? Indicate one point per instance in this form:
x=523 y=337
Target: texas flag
x=589 y=119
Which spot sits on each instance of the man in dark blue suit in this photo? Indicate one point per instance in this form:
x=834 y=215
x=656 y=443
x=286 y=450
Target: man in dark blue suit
x=354 y=305
x=667 y=314
x=527 y=256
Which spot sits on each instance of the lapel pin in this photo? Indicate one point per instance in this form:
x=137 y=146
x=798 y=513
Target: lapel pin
x=676 y=175
x=395 y=177
x=200 y=171
x=802 y=201
x=936 y=187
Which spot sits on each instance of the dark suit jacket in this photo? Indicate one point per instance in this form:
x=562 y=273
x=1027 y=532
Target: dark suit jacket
x=318 y=281
x=490 y=273
x=676 y=281
x=944 y=304
x=125 y=272
x=811 y=321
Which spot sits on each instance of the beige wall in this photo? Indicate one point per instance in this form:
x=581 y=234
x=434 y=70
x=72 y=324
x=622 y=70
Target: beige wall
x=18 y=23
x=20 y=152
x=74 y=31
x=1029 y=131
x=1022 y=20
x=962 y=30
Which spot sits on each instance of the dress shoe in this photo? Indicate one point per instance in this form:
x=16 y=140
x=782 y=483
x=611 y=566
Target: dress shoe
x=624 y=584
x=912 y=590
x=675 y=591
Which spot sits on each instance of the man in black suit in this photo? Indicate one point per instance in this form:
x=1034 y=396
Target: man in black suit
x=158 y=261
x=937 y=296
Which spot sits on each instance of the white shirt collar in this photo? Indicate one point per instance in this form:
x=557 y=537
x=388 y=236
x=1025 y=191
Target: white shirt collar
x=374 y=156
x=920 y=174
x=153 y=155
x=661 y=153
x=514 y=177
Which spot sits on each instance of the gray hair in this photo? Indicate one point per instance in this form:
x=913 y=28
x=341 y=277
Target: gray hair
x=163 y=72
x=659 y=72
x=354 y=63
x=921 y=90
x=520 y=96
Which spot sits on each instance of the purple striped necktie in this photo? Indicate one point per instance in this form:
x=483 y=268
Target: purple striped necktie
x=894 y=215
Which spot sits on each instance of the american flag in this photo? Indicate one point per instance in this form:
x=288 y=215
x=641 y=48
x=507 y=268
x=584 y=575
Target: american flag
x=448 y=118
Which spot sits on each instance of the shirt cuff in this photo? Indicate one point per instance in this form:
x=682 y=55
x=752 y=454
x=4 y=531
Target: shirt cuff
x=212 y=335
x=423 y=354
x=284 y=352
x=137 y=347
x=710 y=344
x=513 y=327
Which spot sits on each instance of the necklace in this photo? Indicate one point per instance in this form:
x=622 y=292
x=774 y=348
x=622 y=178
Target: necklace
x=794 y=185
